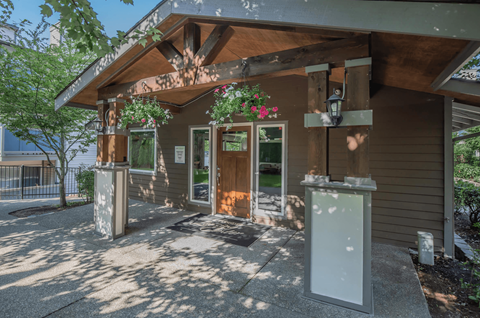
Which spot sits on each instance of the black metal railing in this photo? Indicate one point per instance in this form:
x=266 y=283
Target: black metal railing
x=31 y=182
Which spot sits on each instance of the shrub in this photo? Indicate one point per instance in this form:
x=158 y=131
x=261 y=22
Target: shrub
x=86 y=182
x=474 y=283
x=466 y=171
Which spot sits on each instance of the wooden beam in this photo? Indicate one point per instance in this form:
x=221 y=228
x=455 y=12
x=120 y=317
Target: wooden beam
x=358 y=98
x=101 y=139
x=166 y=35
x=278 y=63
x=325 y=33
x=172 y=55
x=317 y=159
x=213 y=45
x=191 y=43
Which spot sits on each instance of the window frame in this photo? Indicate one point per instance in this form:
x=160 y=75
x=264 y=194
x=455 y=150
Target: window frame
x=191 y=129
x=137 y=171
x=256 y=209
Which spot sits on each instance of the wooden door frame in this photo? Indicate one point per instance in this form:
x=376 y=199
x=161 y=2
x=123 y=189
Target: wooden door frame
x=214 y=166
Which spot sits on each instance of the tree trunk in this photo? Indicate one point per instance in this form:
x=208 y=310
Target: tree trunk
x=63 y=197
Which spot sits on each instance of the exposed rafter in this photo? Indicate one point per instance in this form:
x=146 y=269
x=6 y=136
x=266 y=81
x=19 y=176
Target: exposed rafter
x=173 y=56
x=213 y=45
x=283 y=62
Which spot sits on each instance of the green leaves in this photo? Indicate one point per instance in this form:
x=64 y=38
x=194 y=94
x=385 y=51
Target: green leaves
x=30 y=78
x=46 y=10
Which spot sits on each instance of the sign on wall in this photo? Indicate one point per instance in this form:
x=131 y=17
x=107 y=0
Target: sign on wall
x=180 y=154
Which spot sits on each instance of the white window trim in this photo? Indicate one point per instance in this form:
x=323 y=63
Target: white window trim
x=190 y=166
x=256 y=210
x=136 y=171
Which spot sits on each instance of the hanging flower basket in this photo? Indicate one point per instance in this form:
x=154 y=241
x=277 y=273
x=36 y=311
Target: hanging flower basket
x=148 y=113
x=249 y=102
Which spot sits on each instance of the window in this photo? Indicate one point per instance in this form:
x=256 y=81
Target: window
x=234 y=141
x=142 y=148
x=199 y=165
x=270 y=161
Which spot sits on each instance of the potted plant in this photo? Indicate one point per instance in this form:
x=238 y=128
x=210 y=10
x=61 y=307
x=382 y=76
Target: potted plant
x=246 y=101
x=146 y=112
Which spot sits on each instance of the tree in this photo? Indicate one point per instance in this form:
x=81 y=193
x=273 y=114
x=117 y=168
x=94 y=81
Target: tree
x=30 y=78
x=82 y=26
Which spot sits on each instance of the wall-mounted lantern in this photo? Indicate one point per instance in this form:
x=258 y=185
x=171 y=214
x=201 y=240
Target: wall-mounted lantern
x=97 y=122
x=334 y=106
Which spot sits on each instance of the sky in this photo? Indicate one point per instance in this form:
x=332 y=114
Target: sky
x=114 y=14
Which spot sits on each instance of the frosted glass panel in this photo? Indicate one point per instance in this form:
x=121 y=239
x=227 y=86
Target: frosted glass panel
x=337 y=246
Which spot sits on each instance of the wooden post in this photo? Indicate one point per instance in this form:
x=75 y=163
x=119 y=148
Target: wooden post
x=117 y=148
x=318 y=137
x=101 y=139
x=111 y=147
x=358 y=98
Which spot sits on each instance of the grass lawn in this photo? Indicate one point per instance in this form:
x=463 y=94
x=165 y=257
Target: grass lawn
x=266 y=180
x=201 y=176
x=270 y=180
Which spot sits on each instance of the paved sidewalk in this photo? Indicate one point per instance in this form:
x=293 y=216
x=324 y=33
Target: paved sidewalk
x=53 y=265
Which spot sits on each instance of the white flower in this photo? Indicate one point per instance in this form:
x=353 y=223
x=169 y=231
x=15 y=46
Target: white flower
x=207 y=112
x=221 y=118
x=238 y=94
x=229 y=89
x=234 y=83
x=228 y=115
x=167 y=110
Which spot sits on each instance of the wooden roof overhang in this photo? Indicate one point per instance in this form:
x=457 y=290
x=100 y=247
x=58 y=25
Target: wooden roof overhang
x=197 y=54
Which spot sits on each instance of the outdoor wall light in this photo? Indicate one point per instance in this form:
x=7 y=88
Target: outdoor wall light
x=334 y=106
x=97 y=122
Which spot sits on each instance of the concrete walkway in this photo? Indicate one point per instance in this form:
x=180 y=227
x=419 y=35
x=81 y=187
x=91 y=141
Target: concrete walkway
x=53 y=265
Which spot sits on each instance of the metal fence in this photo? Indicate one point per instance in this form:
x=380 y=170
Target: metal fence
x=28 y=182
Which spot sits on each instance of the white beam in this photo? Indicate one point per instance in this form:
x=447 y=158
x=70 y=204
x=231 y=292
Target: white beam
x=451 y=20
x=462 y=121
x=466 y=115
x=470 y=51
x=465 y=107
x=462 y=86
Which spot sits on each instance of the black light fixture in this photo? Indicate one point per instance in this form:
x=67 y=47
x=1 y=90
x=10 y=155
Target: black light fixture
x=334 y=106
x=97 y=122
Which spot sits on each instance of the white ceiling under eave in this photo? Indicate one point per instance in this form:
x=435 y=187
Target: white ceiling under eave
x=464 y=116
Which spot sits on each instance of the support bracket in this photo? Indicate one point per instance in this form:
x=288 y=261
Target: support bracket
x=350 y=118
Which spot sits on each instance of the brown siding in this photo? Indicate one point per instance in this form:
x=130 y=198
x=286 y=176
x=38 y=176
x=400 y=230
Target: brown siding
x=406 y=159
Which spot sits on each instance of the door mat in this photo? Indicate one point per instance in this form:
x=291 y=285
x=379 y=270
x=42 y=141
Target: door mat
x=228 y=230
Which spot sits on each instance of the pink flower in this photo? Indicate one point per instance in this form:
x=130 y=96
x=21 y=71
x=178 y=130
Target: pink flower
x=260 y=116
x=154 y=121
x=274 y=109
x=253 y=109
x=224 y=86
x=143 y=120
x=216 y=91
x=263 y=109
x=256 y=96
x=132 y=117
x=243 y=105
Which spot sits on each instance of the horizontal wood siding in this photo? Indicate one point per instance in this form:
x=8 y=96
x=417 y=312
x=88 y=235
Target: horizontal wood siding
x=406 y=159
